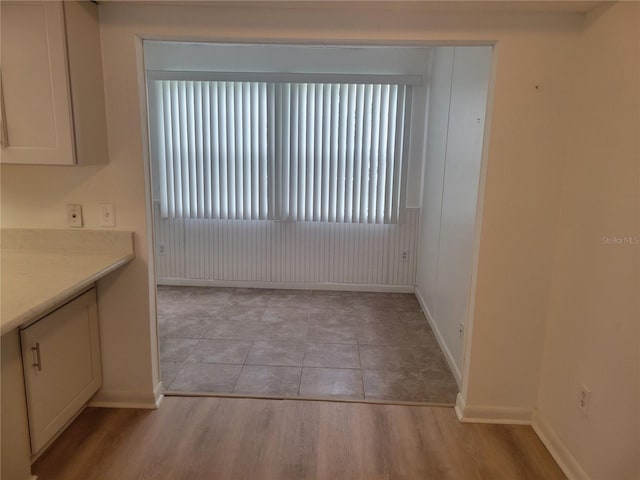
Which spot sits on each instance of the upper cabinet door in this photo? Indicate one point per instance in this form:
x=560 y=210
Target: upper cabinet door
x=37 y=121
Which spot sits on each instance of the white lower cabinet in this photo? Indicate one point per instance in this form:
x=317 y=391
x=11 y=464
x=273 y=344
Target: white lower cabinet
x=62 y=370
x=52 y=107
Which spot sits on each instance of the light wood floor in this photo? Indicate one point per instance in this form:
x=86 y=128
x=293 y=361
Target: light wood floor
x=223 y=438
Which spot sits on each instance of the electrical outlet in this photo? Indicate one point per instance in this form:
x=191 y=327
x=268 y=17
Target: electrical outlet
x=161 y=249
x=584 y=399
x=107 y=216
x=74 y=215
x=404 y=255
x=461 y=330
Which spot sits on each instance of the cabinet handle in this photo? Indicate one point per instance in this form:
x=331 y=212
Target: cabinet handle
x=38 y=361
x=4 y=133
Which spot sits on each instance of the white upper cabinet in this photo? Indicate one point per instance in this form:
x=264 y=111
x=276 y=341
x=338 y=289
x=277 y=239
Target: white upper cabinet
x=35 y=85
x=53 y=109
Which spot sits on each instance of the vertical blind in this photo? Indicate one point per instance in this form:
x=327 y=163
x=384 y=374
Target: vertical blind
x=329 y=152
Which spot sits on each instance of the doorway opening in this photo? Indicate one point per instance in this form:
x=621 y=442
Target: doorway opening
x=293 y=211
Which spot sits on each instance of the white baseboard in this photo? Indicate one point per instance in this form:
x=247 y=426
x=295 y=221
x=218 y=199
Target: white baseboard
x=443 y=346
x=126 y=399
x=558 y=449
x=459 y=406
x=492 y=414
x=158 y=393
x=524 y=416
x=355 y=287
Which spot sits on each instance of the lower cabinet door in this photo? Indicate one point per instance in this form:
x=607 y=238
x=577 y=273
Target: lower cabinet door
x=61 y=357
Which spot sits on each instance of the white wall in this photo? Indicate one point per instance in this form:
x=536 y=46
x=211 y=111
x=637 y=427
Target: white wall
x=459 y=83
x=433 y=175
x=525 y=155
x=593 y=315
x=527 y=139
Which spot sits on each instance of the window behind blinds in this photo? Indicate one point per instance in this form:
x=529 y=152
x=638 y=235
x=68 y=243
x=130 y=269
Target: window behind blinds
x=329 y=152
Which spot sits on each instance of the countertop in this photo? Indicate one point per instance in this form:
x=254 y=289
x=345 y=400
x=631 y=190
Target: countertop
x=42 y=268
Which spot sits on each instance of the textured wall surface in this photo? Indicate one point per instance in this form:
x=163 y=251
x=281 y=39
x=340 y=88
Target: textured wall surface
x=286 y=252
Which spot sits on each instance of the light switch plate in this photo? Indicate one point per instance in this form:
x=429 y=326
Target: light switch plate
x=107 y=215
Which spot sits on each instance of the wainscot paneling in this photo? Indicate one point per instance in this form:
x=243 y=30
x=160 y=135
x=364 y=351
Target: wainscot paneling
x=285 y=253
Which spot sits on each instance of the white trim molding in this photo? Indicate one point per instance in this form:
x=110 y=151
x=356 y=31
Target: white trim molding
x=492 y=414
x=128 y=398
x=557 y=448
x=158 y=393
x=524 y=416
x=350 y=287
x=443 y=346
x=287 y=252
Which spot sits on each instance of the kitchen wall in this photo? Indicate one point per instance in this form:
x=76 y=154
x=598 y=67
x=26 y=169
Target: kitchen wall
x=525 y=153
x=459 y=83
x=594 y=311
x=36 y=196
x=526 y=149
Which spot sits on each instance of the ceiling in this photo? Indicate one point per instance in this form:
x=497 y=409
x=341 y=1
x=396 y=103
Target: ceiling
x=541 y=6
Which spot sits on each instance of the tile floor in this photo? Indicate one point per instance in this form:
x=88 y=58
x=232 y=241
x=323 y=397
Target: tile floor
x=300 y=343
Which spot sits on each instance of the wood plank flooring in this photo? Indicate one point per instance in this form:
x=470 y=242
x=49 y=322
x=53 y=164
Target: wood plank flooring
x=227 y=438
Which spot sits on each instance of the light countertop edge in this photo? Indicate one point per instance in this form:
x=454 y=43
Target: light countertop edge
x=60 y=298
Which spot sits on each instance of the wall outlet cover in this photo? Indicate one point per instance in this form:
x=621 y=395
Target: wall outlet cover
x=584 y=399
x=74 y=215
